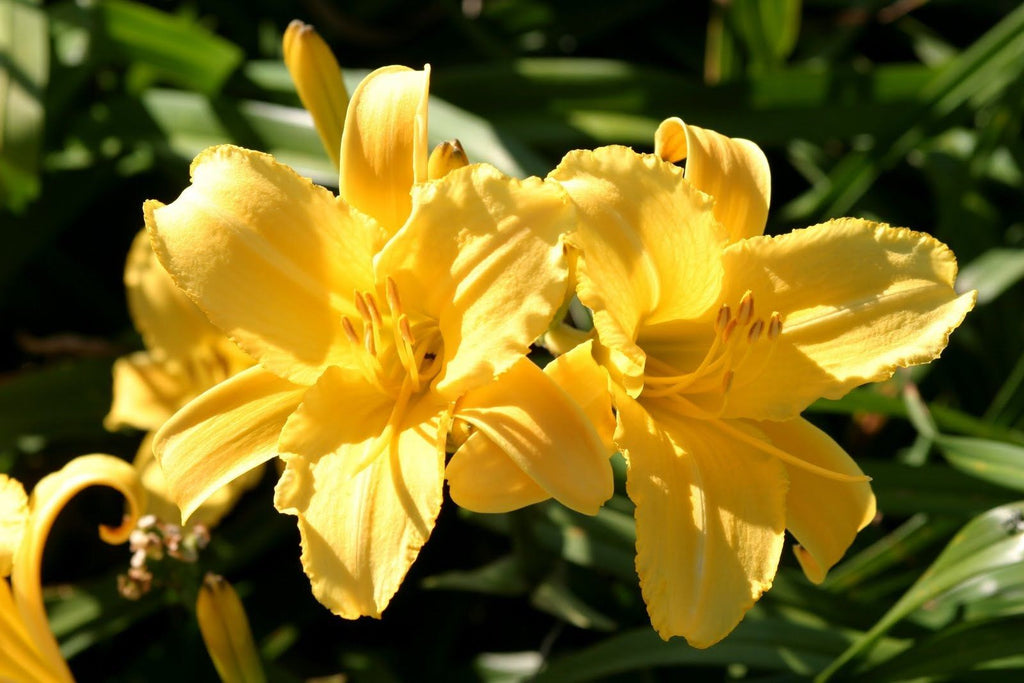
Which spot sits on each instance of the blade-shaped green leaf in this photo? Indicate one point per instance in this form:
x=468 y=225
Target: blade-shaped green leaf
x=992 y=273
x=995 y=461
x=24 y=71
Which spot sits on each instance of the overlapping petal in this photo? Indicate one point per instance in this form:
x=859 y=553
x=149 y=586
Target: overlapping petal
x=545 y=428
x=651 y=247
x=146 y=392
x=271 y=258
x=13 y=520
x=710 y=519
x=384 y=145
x=481 y=254
x=732 y=170
x=858 y=299
x=366 y=494
x=823 y=514
x=224 y=433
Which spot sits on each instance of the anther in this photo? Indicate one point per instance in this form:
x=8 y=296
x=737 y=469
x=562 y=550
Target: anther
x=364 y=312
x=403 y=327
x=722 y=319
x=371 y=305
x=746 y=308
x=391 y=291
x=350 y=331
x=754 y=333
x=729 y=327
x=775 y=326
x=368 y=341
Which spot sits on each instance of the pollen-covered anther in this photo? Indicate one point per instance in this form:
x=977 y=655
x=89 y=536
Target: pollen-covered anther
x=775 y=326
x=746 y=311
x=406 y=330
x=754 y=333
x=368 y=340
x=350 y=331
x=374 y=310
x=394 y=301
x=723 y=318
x=364 y=312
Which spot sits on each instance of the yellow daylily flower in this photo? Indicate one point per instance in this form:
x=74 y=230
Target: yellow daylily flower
x=28 y=650
x=226 y=632
x=371 y=340
x=718 y=337
x=185 y=355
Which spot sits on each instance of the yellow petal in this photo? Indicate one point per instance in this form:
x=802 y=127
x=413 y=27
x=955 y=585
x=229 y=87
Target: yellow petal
x=13 y=519
x=483 y=478
x=710 y=519
x=271 y=258
x=545 y=432
x=145 y=393
x=170 y=324
x=20 y=661
x=159 y=501
x=384 y=146
x=319 y=82
x=48 y=498
x=223 y=434
x=823 y=514
x=858 y=299
x=651 y=248
x=482 y=254
x=362 y=519
x=732 y=170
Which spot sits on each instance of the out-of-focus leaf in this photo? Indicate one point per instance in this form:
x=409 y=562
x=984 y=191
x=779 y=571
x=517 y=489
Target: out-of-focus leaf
x=555 y=597
x=177 y=48
x=767 y=643
x=89 y=613
x=64 y=400
x=987 y=543
x=24 y=71
x=992 y=273
x=903 y=490
x=508 y=667
x=982 y=71
x=501 y=577
x=994 y=461
x=768 y=29
x=991 y=646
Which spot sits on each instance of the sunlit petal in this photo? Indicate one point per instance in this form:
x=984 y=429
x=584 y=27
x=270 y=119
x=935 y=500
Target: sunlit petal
x=384 y=146
x=13 y=519
x=145 y=393
x=482 y=254
x=857 y=300
x=710 y=519
x=824 y=515
x=651 y=247
x=732 y=170
x=365 y=505
x=223 y=434
x=270 y=257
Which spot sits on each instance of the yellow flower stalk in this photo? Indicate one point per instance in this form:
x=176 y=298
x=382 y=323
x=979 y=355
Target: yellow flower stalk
x=28 y=650
x=379 y=320
x=226 y=632
x=717 y=338
x=185 y=355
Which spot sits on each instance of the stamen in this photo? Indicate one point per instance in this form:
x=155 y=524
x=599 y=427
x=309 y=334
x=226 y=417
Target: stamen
x=364 y=312
x=368 y=340
x=350 y=331
x=775 y=326
x=722 y=319
x=394 y=303
x=727 y=332
x=727 y=381
x=374 y=310
x=754 y=333
x=746 y=308
x=403 y=326
x=782 y=455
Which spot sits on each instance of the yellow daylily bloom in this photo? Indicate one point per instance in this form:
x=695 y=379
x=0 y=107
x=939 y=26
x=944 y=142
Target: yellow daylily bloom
x=28 y=650
x=718 y=337
x=371 y=343
x=185 y=355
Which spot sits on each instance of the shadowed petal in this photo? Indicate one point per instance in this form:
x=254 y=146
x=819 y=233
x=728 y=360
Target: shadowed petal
x=823 y=514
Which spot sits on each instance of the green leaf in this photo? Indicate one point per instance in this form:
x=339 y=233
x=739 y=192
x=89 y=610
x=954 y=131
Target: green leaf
x=992 y=273
x=987 y=543
x=24 y=72
x=504 y=576
x=994 y=461
x=176 y=48
x=767 y=643
x=768 y=29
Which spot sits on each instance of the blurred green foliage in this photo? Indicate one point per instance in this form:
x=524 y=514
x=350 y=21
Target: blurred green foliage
x=902 y=111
